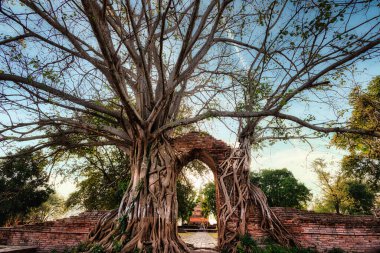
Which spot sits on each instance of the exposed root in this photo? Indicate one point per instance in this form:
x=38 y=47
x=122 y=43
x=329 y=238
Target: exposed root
x=270 y=223
x=147 y=216
x=113 y=234
x=233 y=183
x=237 y=195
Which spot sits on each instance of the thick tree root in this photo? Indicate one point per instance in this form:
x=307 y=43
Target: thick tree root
x=114 y=234
x=270 y=223
x=233 y=184
x=147 y=216
x=237 y=194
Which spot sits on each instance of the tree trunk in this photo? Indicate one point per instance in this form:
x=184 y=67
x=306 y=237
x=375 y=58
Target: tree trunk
x=147 y=216
x=337 y=207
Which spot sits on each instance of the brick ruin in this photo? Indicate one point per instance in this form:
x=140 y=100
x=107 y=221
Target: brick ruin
x=325 y=231
x=316 y=230
x=52 y=235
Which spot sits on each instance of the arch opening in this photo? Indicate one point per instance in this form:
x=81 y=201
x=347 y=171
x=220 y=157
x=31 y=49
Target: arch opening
x=200 y=229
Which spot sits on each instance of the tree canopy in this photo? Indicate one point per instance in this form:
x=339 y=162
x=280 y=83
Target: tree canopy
x=342 y=194
x=281 y=188
x=79 y=59
x=53 y=208
x=103 y=176
x=208 y=199
x=364 y=159
x=186 y=197
x=23 y=185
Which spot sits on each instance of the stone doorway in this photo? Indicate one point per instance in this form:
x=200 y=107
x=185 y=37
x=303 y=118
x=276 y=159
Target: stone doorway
x=211 y=152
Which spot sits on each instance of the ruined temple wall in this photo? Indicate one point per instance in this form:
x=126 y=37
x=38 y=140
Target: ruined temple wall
x=320 y=231
x=52 y=235
x=324 y=231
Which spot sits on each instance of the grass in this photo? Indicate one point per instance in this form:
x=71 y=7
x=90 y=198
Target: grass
x=214 y=235
x=185 y=235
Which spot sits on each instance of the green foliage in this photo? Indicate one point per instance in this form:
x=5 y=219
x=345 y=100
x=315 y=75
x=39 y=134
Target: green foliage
x=106 y=177
x=361 y=196
x=363 y=162
x=51 y=209
x=116 y=247
x=82 y=247
x=186 y=197
x=364 y=168
x=247 y=244
x=23 y=186
x=281 y=188
x=97 y=248
x=342 y=194
x=208 y=199
x=336 y=250
x=122 y=223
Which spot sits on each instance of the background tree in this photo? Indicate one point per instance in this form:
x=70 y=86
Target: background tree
x=186 y=197
x=103 y=176
x=281 y=188
x=132 y=64
x=23 y=186
x=51 y=209
x=342 y=194
x=208 y=199
x=362 y=198
x=186 y=194
x=363 y=162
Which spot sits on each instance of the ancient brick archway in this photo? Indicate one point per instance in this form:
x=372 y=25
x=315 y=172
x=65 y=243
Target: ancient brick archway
x=207 y=149
x=236 y=198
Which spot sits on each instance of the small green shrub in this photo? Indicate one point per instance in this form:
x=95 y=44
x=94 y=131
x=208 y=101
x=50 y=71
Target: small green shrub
x=81 y=247
x=97 y=249
x=275 y=248
x=304 y=250
x=122 y=224
x=336 y=250
x=247 y=244
x=116 y=246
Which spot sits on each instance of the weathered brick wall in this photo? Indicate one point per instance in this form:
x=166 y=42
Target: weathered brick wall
x=321 y=231
x=352 y=233
x=57 y=235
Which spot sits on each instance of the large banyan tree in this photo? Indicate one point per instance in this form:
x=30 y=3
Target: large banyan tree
x=122 y=72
